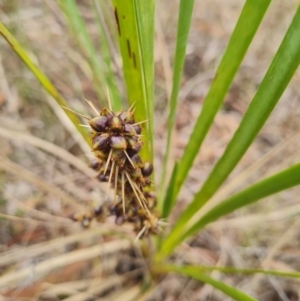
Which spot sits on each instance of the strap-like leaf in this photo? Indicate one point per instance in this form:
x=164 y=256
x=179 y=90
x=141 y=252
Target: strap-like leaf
x=274 y=83
x=229 y=270
x=283 y=180
x=131 y=26
x=183 y=27
x=199 y=275
x=169 y=199
x=245 y=29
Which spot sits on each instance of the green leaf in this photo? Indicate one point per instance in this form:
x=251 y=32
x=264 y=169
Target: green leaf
x=145 y=12
x=231 y=270
x=169 y=199
x=196 y=273
x=285 y=179
x=80 y=32
x=273 y=85
x=107 y=52
x=41 y=77
x=244 y=31
x=184 y=22
x=134 y=21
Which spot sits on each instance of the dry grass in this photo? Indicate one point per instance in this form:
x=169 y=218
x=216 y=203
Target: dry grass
x=44 y=176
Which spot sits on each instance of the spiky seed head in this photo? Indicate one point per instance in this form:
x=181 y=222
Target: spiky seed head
x=99 y=123
x=115 y=124
x=137 y=128
x=117 y=142
x=100 y=142
x=147 y=169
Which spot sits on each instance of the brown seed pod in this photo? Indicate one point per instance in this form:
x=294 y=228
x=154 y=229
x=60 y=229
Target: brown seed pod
x=134 y=146
x=147 y=169
x=137 y=128
x=115 y=124
x=95 y=164
x=117 y=142
x=129 y=130
x=100 y=142
x=99 y=123
x=102 y=178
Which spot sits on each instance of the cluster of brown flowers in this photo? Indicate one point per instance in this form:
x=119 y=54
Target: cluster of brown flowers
x=116 y=143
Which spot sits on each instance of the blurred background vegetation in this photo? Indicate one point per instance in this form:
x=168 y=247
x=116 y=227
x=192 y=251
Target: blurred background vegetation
x=44 y=174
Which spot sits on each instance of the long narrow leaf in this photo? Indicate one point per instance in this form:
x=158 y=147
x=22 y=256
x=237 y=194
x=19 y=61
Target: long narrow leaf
x=169 y=201
x=41 y=77
x=145 y=20
x=184 y=22
x=245 y=29
x=197 y=274
x=230 y=270
x=274 y=83
x=107 y=53
x=288 y=178
x=79 y=30
x=128 y=27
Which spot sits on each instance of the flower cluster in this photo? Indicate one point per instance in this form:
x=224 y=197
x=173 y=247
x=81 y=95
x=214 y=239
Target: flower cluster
x=116 y=143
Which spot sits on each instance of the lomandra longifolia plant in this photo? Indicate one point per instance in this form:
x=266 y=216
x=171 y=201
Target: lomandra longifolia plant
x=116 y=143
x=123 y=145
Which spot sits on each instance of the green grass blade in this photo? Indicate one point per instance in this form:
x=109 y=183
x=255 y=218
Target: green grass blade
x=184 y=22
x=283 y=180
x=230 y=270
x=245 y=29
x=107 y=51
x=130 y=26
x=197 y=274
x=274 y=83
x=100 y=75
x=169 y=199
x=145 y=12
x=41 y=77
